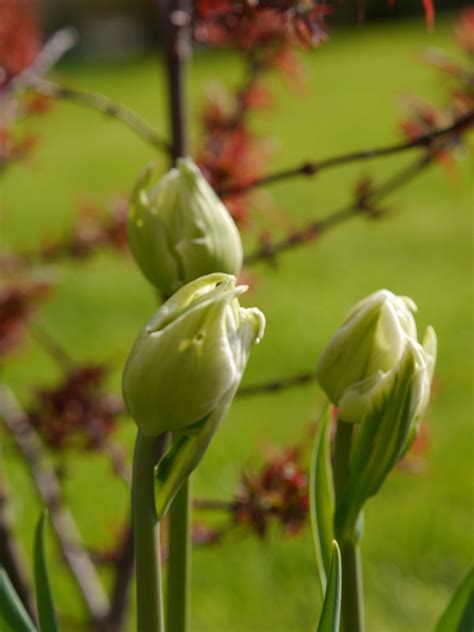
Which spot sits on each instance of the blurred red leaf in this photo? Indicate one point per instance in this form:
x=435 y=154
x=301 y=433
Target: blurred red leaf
x=76 y=413
x=18 y=301
x=19 y=37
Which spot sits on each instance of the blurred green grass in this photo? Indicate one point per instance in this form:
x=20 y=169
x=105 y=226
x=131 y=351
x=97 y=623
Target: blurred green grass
x=418 y=538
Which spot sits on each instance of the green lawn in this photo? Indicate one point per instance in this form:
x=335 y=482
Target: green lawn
x=418 y=540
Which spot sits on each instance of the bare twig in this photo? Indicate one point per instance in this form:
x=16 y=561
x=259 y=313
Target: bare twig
x=102 y=104
x=10 y=556
x=176 y=15
x=122 y=579
x=214 y=505
x=355 y=208
x=313 y=168
x=273 y=386
x=48 y=487
x=118 y=460
x=55 y=48
x=52 y=347
x=254 y=69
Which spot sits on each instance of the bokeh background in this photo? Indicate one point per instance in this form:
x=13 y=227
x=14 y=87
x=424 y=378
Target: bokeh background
x=419 y=530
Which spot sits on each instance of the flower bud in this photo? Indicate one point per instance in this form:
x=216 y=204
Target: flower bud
x=379 y=376
x=387 y=429
x=190 y=357
x=366 y=351
x=179 y=229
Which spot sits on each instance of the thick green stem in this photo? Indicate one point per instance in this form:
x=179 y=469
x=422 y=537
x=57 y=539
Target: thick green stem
x=352 y=607
x=146 y=537
x=179 y=560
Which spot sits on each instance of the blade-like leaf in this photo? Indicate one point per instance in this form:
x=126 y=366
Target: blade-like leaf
x=13 y=616
x=322 y=500
x=459 y=615
x=331 y=612
x=44 y=599
x=183 y=456
x=378 y=445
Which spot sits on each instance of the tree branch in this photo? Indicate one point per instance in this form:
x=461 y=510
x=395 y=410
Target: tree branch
x=105 y=105
x=52 y=347
x=123 y=574
x=358 y=207
x=176 y=16
x=313 y=168
x=273 y=386
x=48 y=487
x=203 y=504
x=118 y=460
x=52 y=52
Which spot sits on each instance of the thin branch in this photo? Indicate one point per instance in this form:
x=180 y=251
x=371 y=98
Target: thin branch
x=313 y=168
x=52 y=347
x=52 y=52
x=273 y=386
x=253 y=71
x=122 y=579
x=355 y=208
x=105 y=105
x=118 y=460
x=48 y=487
x=176 y=16
x=214 y=505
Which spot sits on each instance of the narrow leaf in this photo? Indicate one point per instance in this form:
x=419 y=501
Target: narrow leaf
x=13 y=616
x=331 y=612
x=378 y=445
x=183 y=456
x=322 y=500
x=44 y=599
x=459 y=615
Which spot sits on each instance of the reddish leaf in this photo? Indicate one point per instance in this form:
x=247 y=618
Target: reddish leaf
x=429 y=13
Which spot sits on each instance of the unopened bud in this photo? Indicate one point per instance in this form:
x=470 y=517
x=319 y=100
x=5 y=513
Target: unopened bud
x=179 y=230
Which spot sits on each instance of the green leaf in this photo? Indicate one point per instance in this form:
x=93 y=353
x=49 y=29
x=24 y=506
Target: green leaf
x=459 y=615
x=378 y=445
x=322 y=500
x=13 y=616
x=331 y=612
x=44 y=599
x=183 y=456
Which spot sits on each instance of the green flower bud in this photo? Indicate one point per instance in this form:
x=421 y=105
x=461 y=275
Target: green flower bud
x=366 y=352
x=190 y=357
x=388 y=426
x=179 y=229
x=379 y=376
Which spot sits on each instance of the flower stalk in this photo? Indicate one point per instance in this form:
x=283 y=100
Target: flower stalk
x=181 y=377
x=179 y=552
x=378 y=375
x=352 y=604
x=146 y=536
x=177 y=49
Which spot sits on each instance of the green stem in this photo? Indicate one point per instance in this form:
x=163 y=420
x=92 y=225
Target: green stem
x=146 y=537
x=179 y=560
x=352 y=606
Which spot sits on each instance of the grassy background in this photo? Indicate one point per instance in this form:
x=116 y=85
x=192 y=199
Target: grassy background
x=418 y=538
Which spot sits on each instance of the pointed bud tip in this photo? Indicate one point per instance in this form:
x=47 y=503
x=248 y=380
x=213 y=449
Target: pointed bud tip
x=188 y=169
x=256 y=319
